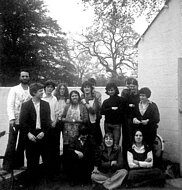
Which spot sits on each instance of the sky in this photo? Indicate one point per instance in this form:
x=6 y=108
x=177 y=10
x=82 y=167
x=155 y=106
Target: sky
x=70 y=14
x=72 y=18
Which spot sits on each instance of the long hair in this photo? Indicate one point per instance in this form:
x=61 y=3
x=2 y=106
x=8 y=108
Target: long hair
x=143 y=141
x=103 y=145
x=76 y=92
x=57 y=91
x=87 y=83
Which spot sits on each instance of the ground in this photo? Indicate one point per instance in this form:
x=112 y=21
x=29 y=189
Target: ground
x=60 y=183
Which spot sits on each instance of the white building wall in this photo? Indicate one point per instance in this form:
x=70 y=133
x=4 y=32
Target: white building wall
x=159 y=50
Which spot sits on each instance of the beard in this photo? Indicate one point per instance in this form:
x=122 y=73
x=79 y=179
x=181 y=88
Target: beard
x=25 y=81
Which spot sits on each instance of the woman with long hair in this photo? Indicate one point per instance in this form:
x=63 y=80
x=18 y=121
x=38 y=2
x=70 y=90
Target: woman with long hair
x=62 y=95
x=109 y=171
x=140 y=162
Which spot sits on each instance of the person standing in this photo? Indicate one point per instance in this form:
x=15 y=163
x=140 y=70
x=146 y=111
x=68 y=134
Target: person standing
x=146 y=116
x=97 y=94
x=14 y=157
x=54 y=132
x=92 y=104
x=35 y=121
x=49 y=86
x=131 y=99
x=113 y=110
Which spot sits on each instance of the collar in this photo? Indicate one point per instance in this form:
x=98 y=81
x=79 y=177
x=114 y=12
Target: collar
x=138 y=148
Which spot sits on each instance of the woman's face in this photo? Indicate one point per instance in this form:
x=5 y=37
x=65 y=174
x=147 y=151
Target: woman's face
x=87 y=89
x=143 y=98
x=74 y=98
x=138 y=137
x=111 y=91
x=62 y=90
x=108 y=140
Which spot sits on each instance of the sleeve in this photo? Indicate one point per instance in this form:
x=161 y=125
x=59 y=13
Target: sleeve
x=11 y=104
x=24 y=117
x=155 y=114
x=145 y=164
x=120 y=161
x=124 y=93
x=130 y=160
x=104 y=108
x=99 y=98
x=84 y=114
x=57 y=108
x=105 y=164
x=65 y=111
x=97 y=153
x=48 y=118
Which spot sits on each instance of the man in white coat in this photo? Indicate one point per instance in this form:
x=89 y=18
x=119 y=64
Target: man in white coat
x=14 y=155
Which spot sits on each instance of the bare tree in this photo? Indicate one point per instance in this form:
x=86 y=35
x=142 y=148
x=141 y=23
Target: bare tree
x=85 y=65
x=111 y=40
x=148 y=8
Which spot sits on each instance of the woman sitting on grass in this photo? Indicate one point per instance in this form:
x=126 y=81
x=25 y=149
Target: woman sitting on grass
x=108 y=171
x=140 y=161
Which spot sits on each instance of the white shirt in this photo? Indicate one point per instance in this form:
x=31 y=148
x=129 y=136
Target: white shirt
x=52 y=100
x=60 y=105
x=142 y=164
x=37 y=109
x=17 y=95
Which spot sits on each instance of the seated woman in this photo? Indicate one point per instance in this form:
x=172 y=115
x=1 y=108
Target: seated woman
x=140 y=162
x=108 y=171
x=146 y=116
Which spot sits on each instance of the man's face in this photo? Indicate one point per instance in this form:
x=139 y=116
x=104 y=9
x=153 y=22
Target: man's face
x=24 y=77
x=132 y=88
x=39 y=93
x=87 y=89
x=49 y=89
x=74 y=98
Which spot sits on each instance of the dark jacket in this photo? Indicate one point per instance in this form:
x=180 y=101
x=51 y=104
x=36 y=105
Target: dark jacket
x=131 y=102
x=28 y=117
x=96 y=106
x=152 y=113
x=87 y=148
x=103 y=160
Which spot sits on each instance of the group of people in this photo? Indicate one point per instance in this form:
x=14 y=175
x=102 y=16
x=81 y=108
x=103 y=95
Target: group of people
x=39 y=114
